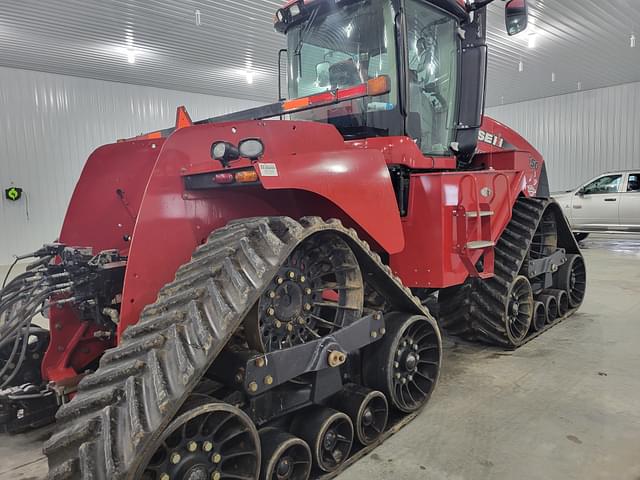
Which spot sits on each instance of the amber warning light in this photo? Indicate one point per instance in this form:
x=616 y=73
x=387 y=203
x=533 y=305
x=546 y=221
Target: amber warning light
x=240 y=176
x=374 y=87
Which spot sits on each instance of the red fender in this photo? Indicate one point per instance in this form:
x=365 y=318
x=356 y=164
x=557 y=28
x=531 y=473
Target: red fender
x=502 y=148
x=101 y=214
x=317 y=174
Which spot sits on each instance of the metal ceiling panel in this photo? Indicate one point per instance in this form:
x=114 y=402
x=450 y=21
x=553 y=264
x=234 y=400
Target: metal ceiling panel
x=579 y=45
x=586 y=41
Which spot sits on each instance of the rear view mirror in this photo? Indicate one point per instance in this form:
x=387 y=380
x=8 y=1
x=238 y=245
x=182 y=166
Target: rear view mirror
x=516 y=16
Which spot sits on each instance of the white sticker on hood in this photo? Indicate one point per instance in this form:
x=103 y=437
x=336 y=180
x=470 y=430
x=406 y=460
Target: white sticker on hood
x=268 y=169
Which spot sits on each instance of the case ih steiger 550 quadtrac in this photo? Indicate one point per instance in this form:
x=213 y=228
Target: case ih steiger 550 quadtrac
x=244 y=297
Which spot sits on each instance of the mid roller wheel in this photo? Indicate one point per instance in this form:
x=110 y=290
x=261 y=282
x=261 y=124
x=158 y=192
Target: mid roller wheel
x=405 y=364
x=539 y=316
x=284 y=457
x=329 y=434
x=562 y=300
x=367 y=409
x=318 y=290
x=572 y=278
x=550 y=305
x=210 y=441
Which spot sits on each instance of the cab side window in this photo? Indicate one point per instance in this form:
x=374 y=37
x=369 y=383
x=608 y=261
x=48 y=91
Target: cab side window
x=606 y=184
x=433 y=52
x=633 y=185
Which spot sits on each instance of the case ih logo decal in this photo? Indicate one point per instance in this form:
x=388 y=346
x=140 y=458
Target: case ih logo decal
x=495 y=140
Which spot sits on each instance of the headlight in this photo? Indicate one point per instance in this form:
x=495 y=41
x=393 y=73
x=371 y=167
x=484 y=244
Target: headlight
x=251 y=148
x=224 y=152
x=294 y=10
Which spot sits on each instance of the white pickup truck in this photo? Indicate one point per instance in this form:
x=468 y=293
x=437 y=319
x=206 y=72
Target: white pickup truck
x=608 y=203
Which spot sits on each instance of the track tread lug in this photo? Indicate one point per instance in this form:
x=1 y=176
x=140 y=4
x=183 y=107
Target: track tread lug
x=136 y=422
x=154 y=324
x=159 y=381
x=94 y=400
x=111 y=375
x=132 y=349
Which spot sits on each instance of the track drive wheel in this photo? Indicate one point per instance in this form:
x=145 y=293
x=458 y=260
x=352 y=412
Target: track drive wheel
x=329 y=433
x=210 y=441
x=405 y=364
x=318 y=290
x=367 y=409
x=284 y=457
x=572 y=278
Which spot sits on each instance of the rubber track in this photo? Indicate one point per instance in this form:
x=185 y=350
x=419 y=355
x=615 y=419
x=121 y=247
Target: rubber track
x=476 y=309
x=120 y=410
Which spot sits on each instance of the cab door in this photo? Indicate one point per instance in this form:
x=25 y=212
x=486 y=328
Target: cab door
x=630 y=203
x=596 y=205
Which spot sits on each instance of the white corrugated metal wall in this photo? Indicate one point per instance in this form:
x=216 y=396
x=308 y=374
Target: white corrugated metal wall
x=49 y=124
x=581 y=134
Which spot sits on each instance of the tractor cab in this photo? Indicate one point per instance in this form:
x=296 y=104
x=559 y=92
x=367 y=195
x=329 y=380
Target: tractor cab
x=429 y=55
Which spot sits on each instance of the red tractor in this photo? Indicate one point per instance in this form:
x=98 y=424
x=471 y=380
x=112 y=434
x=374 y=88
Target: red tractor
x=246 y=297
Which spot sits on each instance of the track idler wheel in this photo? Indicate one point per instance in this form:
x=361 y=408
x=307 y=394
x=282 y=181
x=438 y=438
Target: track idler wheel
x=318 y=290
x=329 y=434
x=405 y=364
x=284 y=457
x=562 y=299
x=367 y=409
x=519 y=310
x=550 y=305
x=539 y=316
x=210 y=441
x=572 y=278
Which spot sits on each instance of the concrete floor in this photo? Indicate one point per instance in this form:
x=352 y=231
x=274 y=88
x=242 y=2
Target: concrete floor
x=564 y=406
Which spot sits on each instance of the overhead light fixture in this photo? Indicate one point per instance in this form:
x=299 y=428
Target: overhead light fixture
x=532 y=38
x=521 y=66
x=579 y=86
x=198 y=19
x=632 y=40
x=131 y=55
x=250 y=76
x=553 y=76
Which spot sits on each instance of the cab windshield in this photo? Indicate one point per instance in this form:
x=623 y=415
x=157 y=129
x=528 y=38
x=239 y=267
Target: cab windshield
x=341 y=47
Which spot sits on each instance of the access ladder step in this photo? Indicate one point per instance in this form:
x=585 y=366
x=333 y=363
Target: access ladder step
x=481 y=213
x=479 y=244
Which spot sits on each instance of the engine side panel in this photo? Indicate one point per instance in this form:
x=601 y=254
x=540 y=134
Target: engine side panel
x=437 y=228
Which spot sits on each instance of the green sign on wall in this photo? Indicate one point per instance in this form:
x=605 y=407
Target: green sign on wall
x=13 y=193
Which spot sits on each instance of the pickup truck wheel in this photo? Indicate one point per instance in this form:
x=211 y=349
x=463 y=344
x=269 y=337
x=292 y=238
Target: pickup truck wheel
x=580 y=236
